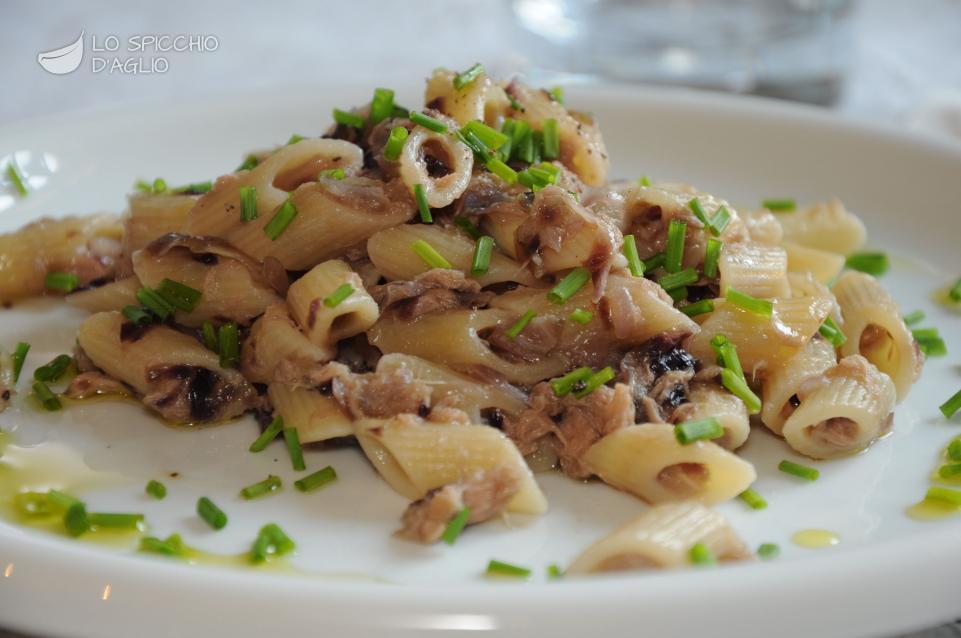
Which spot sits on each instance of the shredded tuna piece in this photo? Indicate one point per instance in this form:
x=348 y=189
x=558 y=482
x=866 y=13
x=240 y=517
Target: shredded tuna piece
x=375 y=394
x=538 y=339
x=658 y=375
x=192 y=394
x=434 y=291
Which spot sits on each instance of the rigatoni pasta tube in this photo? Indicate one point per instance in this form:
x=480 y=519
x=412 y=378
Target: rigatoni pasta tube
x=647 y=461
x=445 y=150
x=149 y=217
x=316 y=417
x=825 y=266
x=112 y=296
x=825 y=226
x=326 y=324
x=846 y=412
x=415 y=456
x=754 y=269
x=782 y=383
x=662 y=538
x=480 y=100
x=275 y=342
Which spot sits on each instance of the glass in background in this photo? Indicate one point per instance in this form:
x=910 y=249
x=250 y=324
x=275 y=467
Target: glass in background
x=792 y=49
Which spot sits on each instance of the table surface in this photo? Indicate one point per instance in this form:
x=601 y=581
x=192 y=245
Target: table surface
x=906 y=62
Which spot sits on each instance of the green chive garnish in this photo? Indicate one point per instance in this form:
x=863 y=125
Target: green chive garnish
x=47 y=398
x=760 y=307
x=554 y=571
x=767 y=551
x=754 y=500
x=428 y=122
x=332 y=173
x=464 y=79
x=271 y=540
x=801 y=471
x=481 y=152
x=62 y=500
x=595 y=381
x=520 y=324
x=456 y=526
x=430 y=256
x=634 y=263
x=557 y=94
x=875 y=264
x=249 y=162
x=779 y=205
x=468 y=227
x=930 y=342
x=720 y=221
x=173 y=545
x=229 y=345
x=210 y=336
x=248 y=203
x=382 y=106
x=292 y=437
x=212 y=515
x=155 y=303
x=914 y=318
x=522 y=142
x=195 y=188
x=644 y=181
x=16 y=177
x=678 y=294
x=114 y=520
x=156 y=489
x=562 y=386
x=698 y=430
x=944 y=494
x=712 y=256
x=395 y=143
x=262 y=488
x=178 y=295
x=701 y=307
x=738 y=387
x=674 y=255
x=421 y=198
x=335 y=298
x=955 y=292
x=552 y=139
x=294 y=139
x=269 y=434
x=482 y=256
x=701 y=555
x=950 y=407
x=727 y=354
x=75 y=519
x=678 y=279
x=491 y=138
x=569 y=285
x=281 y=220
x=347 y=118
x=654 y=262
x=581 y=316
x=19 y=356
x=54 y=370
x=159 y=186
x=136 y=315
x=950 y=471
x=502 y=170
x=62 y=281
x=832 y=332
x=954 y=450
x=316 y=480
x=498 y=568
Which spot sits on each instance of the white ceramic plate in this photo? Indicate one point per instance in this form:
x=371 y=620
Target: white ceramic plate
x=890 y=573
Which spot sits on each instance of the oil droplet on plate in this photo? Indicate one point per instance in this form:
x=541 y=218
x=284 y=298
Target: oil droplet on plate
x=815 y=538
x=931 y=509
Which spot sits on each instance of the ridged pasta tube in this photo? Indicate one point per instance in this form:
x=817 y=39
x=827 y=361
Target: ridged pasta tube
x=325 y=325
x=782 y=384
x=826 y=226
x=274 y=341
x=823 y=265
x=754 y=269
x=316 y=417
x=426 y=155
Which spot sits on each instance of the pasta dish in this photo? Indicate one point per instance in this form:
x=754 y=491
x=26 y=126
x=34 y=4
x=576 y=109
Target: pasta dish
x=462 y=292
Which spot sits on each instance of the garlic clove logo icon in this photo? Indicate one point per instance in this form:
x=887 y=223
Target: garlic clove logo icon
x=64 y=60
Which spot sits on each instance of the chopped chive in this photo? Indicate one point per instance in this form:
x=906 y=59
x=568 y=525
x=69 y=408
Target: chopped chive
x=914 y=318
x=779 y=205
x=950 y=407
x=19 y=356
x=875 y=264
x=262 y=488
x=75 y=519
x=47 y=398
x=720 y=221
x=194 y=188
x=281 y=220
x=294 y=139
x=292 y=437
x=832 y=332
x=767 y=551
x=143 y=186
x=156 y=304
x=522 y=144
x=581 y=316
x=456 y=526
x=674 y=255
x=595 y=381
x=249 y=162
x=114 y=520
x=954 y=450
x=229 y=345
x=464 y=79
x=481 y=152
x=491 y=138
x=557 y=94
x=537 y=143
x=695 y=205
x=654 y=262
x=210 y=336
x=569 y=285
x=212 y=515
x=430 y=256
x=395 y=143
x=178 y=295
x=634 y=263
x=381 y=106
x=517 y=106
x=727 y=354
x=173 y=545
x=507 y=128
x=156 y=489
x=554 y=571
x=678 y=294
x=468 y=227
x=950 y=471
x=930 y=342
x=347 y=118
x=16 y=177
x=482 y=256
x=498 y=568
x=52 y=371
x=62 y=281
x=801 y=471
x=502 y=170
x=269 y=434
x=421 y=197
x=562 y=386
x=955 y=292
x=552 y=139
x=159 y=186
x=739 y=388
x=698 y=430
x=136 y=315
x=678 y=279
x=644 y=181
x=271 y=540
x=944 y=494
x=332 y=173
x=760 y=307
x=528 y=179
x=701 y=554
x=520 y=324
x=428 y=122
x=543 y=176
x=701 y=307
x=316 y=480
x=62 y=500
x=754 y=500
x=337 y=297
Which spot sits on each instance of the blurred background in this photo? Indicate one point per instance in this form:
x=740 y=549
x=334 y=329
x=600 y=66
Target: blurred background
x=888 y=60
